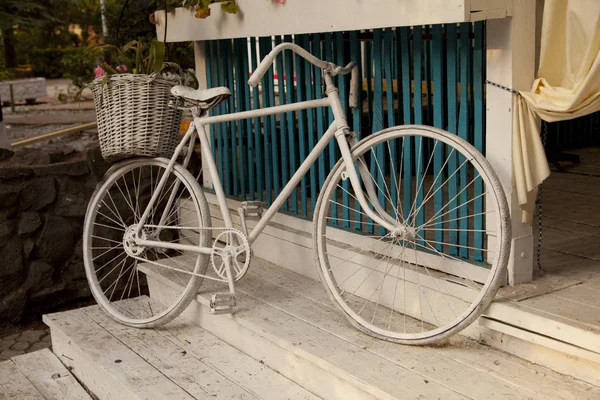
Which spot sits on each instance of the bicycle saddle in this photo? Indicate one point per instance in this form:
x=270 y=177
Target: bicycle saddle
x=203 y=98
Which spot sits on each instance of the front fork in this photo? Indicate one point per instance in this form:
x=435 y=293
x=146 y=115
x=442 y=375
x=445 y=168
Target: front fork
x=347 y=140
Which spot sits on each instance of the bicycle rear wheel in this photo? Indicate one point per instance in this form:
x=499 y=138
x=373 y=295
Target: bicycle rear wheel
x=117 y=269
x=441 y=266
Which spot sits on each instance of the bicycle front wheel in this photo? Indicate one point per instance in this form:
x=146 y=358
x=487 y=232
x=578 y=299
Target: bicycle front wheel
x=117 y=269
x=442 y=263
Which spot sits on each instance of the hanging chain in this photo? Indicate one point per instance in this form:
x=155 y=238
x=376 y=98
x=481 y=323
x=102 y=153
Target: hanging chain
x=513 y=91
x=538 y=202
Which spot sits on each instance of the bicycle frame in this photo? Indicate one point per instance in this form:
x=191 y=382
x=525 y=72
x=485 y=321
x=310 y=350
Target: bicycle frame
x=338 y=129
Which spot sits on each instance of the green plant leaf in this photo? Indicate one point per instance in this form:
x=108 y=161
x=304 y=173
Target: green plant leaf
x=134 y=44
x=230 y=7
x=139 y=58
x=157 y=56
x=107 y=68
x=202 y=12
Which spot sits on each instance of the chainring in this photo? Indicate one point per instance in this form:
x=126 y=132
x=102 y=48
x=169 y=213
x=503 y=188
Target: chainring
x=234 y=242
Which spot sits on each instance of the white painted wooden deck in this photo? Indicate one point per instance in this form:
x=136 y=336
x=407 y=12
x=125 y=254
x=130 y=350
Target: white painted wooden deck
x=555 y=320
x=286 y=321
x=38 y=375
x=178 y=361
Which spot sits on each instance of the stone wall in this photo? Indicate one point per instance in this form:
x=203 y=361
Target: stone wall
x=43 y=200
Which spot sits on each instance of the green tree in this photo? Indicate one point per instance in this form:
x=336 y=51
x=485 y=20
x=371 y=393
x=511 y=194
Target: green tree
x=18 y=16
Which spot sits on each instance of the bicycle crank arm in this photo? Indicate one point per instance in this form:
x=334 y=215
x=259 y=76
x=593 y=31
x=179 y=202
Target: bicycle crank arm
x=224 y=303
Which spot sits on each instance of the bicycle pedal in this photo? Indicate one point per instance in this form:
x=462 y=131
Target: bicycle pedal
x=222 y=303
x=250 y=210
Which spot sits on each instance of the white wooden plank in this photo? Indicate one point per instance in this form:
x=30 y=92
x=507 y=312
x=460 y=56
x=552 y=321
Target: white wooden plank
x=547 y=283
x=195 y=377
x=593 y=285
x=466 y=371
x=576 y=207
x=507 y=367
x=569 y=265
x=567 y=309
x=573 y=183
x=542 y=322
x=324 y=364
x=272 y=18
x=193 y=372
x=541 y=340
x=237 y=366
x=106 y=366
x=548 y=359
x=428 y=364
x=14 y=385
x=574 y=243
x=570 y=226
x=463 y=363
x=580 y=294
x=49 y=376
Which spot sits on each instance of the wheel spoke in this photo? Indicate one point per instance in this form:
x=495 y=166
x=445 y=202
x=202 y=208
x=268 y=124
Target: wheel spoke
x=115 y=261
x=401 y=284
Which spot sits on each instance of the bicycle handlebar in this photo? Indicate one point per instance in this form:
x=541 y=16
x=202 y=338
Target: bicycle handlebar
x=327 y=66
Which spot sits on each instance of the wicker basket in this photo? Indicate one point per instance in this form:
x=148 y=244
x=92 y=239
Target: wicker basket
x=134 y=117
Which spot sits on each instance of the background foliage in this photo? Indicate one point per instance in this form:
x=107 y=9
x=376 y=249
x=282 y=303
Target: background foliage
x=38 y=36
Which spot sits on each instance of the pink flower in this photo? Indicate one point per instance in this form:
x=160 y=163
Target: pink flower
x=99 y=71
x=122 y=68
x=280 y=1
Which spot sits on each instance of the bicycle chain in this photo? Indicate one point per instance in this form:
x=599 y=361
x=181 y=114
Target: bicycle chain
x=179 y=269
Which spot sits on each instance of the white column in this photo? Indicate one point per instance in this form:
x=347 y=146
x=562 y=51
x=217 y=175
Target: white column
x=200 y=64
x=510 y=62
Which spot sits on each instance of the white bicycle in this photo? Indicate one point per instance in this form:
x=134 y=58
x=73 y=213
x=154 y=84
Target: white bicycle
x=385 y=238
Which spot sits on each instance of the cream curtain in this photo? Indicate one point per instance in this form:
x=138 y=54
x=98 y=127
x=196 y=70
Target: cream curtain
x=568 y=86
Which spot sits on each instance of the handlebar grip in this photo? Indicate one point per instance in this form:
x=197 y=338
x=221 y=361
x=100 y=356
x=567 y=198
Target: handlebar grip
x=260 y=70
x=353 y=100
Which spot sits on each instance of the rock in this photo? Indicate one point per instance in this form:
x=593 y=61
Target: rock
x=11 y=258
x=6 y=213
x=47 y=299
x=7 y=229
x=30 y=156
x=9 y=195
x=55 y=242
x=72 y=198
x=5 y=154
x=29 y=222
x=9 y=172
x=96 y=163
x=39 y=276
x=28 y=245
x=74 y=270
x=38 y=193
x=61 y=155
x=71 y=168
x=12 y=306
x=90 y=183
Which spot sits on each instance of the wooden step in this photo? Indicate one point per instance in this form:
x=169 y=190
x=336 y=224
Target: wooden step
x=49 y=376
x=14 y=385
x=287 y=321
x=177 y=361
